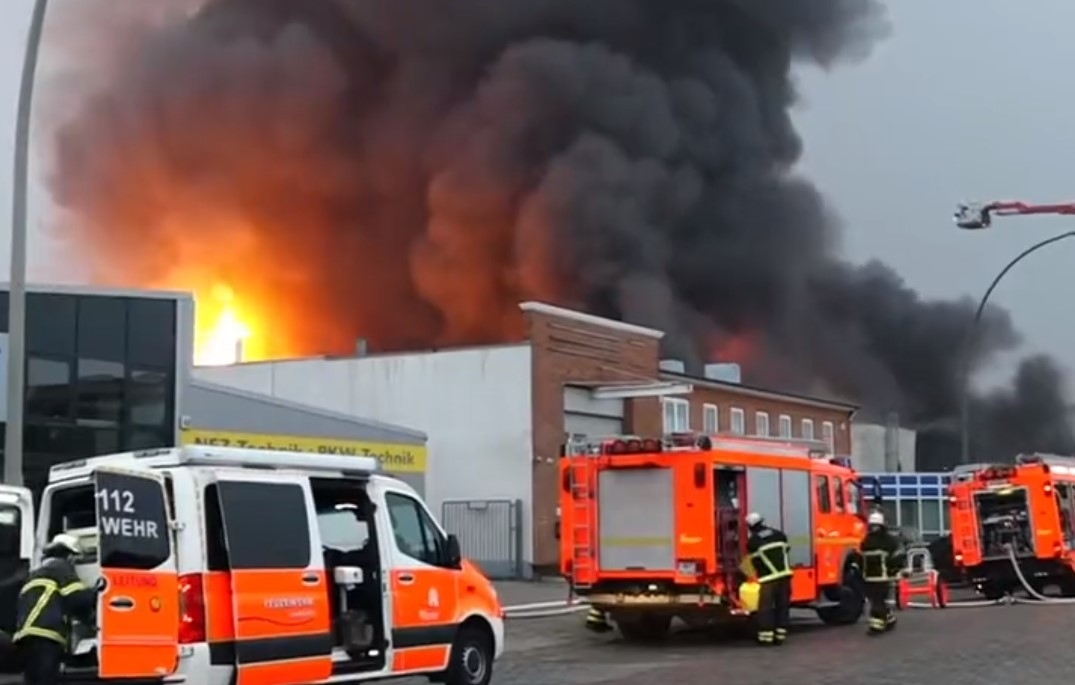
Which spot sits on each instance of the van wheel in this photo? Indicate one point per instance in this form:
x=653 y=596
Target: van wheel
x=471 y=662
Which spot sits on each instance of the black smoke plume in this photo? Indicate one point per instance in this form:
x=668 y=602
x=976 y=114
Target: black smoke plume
x=406 y=171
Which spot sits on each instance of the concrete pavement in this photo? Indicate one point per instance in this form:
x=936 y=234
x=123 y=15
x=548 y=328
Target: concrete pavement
x=964 y=646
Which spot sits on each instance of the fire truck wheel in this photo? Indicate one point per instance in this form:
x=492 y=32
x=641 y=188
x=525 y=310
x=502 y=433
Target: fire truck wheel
x=852 y=602
x=644 y=628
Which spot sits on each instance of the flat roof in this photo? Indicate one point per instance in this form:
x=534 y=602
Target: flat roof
x=761 y=393
x=359 y=421
x=106 y=291
x=374 y=355
x=590 y=319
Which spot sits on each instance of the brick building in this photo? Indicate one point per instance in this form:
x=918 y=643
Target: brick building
x=497 y=415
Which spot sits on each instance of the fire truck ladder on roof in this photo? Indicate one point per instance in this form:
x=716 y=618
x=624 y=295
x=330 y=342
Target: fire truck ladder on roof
x=582 y=524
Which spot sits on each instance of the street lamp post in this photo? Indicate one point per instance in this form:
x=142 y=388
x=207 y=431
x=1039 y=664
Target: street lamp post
x=968 y=345
x=16 y=322
x=976 y=216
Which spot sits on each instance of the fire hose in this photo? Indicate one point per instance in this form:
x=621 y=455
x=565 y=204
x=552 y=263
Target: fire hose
x=571 y=606
x=1036 y=597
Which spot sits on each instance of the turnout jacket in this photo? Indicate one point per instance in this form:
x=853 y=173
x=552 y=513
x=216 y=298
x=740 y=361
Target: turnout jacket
x=51 y=596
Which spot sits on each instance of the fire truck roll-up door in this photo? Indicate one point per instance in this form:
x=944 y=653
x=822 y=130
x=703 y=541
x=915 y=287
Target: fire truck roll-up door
x=138 y=611
x=782 y=497
x=637 y=521
x=279 y=591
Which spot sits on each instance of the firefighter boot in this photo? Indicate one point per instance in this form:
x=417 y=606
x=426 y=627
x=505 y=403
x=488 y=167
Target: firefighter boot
x=596 y=621
x=877 y=626
x=890 y=621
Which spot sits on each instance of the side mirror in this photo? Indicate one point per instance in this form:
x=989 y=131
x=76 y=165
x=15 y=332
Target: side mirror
x=454 y=554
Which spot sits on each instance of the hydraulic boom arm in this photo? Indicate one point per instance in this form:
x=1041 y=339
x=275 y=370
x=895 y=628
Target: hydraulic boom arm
x=977 y=215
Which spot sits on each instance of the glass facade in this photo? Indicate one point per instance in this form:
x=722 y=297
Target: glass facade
x=918 y=501
x=100 y=376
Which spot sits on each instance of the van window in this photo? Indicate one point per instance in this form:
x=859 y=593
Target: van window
x=10 y=532
x=415 y=533
x=342 y=529
x=216 y=545
x=133 y=528
x=266 y=524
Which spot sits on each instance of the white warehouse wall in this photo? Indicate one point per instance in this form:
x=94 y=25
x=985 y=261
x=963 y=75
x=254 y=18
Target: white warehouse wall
x=474 y=404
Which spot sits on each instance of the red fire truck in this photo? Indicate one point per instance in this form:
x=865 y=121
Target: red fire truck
x=655 y=528
x=1026 y=508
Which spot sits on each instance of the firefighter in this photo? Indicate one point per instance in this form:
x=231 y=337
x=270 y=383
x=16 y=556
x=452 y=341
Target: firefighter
x=880 y=565
x=597 y=621
x=768 y=552
x=51 y=596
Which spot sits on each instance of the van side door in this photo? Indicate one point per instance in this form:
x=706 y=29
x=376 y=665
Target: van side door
x=16 y=548
x=425 y=598
x=279 y=591
x=138 y=610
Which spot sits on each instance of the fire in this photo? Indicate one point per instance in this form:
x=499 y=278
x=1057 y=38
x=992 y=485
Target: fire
x=222 y=334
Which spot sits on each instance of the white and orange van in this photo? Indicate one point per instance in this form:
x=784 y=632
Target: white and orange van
x=261 y=568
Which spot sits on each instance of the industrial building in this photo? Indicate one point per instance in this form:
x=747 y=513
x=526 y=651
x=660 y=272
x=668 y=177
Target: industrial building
x=496 y=416
x=111 y=370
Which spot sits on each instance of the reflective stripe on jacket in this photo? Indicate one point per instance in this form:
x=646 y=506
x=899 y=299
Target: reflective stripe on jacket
x=51 y=596
x=769 y=554
x=880 y=556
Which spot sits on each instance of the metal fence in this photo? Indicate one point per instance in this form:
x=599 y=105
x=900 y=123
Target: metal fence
x=489 y=532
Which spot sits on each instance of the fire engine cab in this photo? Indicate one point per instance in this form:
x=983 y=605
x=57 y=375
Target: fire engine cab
x=1025 y=508
x=654 y=529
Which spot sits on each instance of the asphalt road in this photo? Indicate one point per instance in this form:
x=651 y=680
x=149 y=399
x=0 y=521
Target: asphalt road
x=986 y=646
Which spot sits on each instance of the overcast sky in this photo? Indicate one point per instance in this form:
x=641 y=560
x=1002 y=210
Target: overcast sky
x=968 y=99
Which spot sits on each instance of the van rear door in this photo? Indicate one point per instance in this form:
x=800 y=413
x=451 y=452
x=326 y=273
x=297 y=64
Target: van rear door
x=138 y=611
x=278 y=586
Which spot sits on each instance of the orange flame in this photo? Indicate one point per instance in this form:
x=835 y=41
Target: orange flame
x=221 y=333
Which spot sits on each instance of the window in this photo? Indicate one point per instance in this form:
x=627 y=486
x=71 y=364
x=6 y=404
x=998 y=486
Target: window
x=151 y=336
x=761 y=424
x=145 y=439
x=250 y=509
x=677 y=415
x=48 y=389
x=50 y=324
x=829 y=435
x=99 y=394
x=909 y=513
x=342 y=528
x=93 y=442
x=808 y=429
x=133 y=526
x=216 y=546
x=838 y=491
x=739 y=421
x=854 y=498
x=710 y=419
x=414 y=532
x=931 y=515
x=148 y=398
x=10 y=533
x=785 y=426
x=824 y=500
x=102 y=326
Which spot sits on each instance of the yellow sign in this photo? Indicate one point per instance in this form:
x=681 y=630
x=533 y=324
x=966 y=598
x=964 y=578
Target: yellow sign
x=397 y=457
